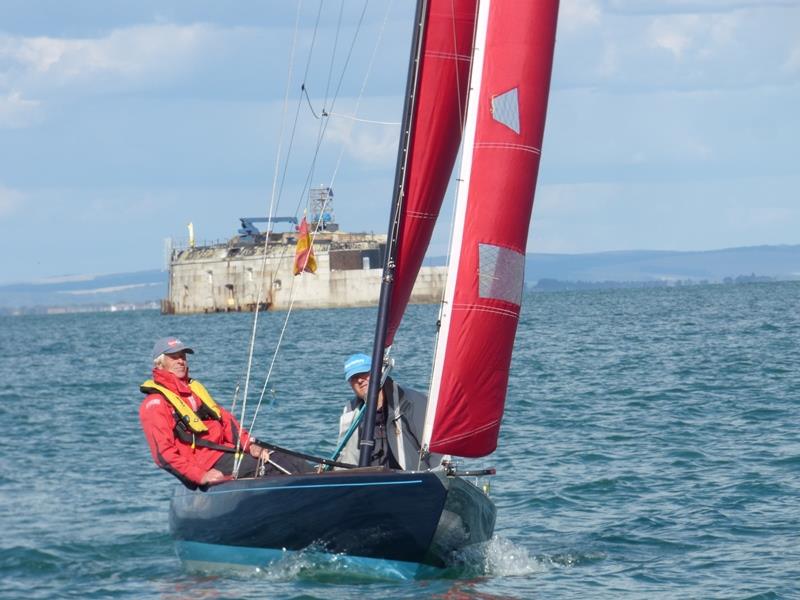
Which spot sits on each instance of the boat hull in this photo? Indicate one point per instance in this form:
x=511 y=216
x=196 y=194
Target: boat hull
x=407 y=518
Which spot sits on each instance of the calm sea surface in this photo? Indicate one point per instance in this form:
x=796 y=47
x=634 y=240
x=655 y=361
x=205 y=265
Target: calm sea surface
x=650 y=447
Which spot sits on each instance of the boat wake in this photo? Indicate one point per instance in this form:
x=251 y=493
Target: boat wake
x=500 y=557
x=315 y=565
x=497 y=557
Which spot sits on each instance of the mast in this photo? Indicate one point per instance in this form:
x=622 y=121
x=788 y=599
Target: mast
x=367 y=443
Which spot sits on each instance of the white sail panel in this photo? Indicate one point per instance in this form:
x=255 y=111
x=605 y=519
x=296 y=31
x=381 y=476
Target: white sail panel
x=505 y=109
x=502 y=273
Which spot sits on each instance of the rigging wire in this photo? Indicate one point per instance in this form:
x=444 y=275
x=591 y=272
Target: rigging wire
x=311 y=106
x=326 y=113
x=323 y=127
x=294 y=128
x=289 y=151
x=324 y=124
x=320 y=138
x=307 y=182
x=363 y=87
x=270 y=213
x=336 y=47
x=323 y=117
x=359 y=120
x=321 y=134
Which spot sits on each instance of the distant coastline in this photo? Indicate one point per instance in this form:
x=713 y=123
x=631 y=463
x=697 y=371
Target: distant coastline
x=80 y=308
x=557 y=285
x=143 y=290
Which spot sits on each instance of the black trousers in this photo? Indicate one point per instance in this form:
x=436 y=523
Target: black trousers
x=249 y=464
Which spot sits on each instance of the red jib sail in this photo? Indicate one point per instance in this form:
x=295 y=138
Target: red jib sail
x=437 y=123
x=510 y=82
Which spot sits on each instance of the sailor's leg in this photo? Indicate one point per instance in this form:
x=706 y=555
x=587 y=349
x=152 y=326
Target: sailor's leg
x=280 y=462
x=246 y=469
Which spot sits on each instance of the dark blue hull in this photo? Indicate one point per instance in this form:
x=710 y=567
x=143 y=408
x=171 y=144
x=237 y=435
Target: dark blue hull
x=410 y=518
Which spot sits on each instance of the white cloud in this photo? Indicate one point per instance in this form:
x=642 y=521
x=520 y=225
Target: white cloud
x=37 y=73
x=724 y=28
x=18 y=112
x=690 y=215
x=579 y=14
x=609 y=62
x=764 y=217
x=368 y=143
x=675 y=34
x=697 y=149
x=106 y=290
x=679 y=46
x=688 y=6
x=792 y=63
x=145 y=57
x=128 y=53
x=64 y=279
x=10 y=201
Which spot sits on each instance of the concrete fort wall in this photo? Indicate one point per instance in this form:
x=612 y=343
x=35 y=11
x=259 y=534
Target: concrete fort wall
x=210 y=280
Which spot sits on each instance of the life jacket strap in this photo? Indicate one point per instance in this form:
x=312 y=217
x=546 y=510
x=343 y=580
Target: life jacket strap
x=194 y=421
x=187 y=437
x=199 y=390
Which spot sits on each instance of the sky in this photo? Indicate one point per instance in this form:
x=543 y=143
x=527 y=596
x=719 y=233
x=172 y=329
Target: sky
x=672 y=125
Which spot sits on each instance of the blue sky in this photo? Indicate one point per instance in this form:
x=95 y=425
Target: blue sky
x=673 y=124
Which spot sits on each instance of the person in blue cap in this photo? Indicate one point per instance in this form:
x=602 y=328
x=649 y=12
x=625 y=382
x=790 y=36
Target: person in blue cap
x=189 y=434
x=399 y=420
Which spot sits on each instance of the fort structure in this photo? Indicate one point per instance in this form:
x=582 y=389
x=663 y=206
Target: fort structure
x=256 y=270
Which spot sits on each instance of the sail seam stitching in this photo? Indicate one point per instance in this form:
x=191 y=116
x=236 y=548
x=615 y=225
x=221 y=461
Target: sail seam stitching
x=469 y=433
x=475 y=307
x=448 y=55
x=506 y=146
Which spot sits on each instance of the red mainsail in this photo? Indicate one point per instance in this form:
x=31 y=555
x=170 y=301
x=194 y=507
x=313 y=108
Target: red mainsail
x=436 y=127
x=503 y=136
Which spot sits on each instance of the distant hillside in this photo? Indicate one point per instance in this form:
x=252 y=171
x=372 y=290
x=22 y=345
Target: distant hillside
x=713 y=266
x=542 y=271
x=137 y=288
x=779 y=262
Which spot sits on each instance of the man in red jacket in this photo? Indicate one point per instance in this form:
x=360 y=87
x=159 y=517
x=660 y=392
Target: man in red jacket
x=189 y=434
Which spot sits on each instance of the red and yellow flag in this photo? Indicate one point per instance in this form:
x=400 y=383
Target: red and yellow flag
x=304 y=253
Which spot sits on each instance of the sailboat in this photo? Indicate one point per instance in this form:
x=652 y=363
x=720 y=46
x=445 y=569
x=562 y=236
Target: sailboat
x=413 y=522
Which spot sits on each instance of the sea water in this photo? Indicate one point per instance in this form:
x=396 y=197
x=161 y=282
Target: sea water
x=650 y=447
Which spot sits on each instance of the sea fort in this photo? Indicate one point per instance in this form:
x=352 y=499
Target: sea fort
x=255 y=269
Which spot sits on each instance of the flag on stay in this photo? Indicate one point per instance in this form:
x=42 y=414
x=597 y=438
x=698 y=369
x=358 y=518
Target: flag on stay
x=304 y=253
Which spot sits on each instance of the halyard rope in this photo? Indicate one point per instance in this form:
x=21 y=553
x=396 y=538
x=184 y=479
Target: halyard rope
x=275 y=198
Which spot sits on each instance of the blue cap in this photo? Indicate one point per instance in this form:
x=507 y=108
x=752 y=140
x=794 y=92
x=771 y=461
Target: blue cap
x=357 y=363
x=169 y=345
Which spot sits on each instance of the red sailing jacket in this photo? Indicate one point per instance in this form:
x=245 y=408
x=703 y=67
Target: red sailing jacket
x=170 y=453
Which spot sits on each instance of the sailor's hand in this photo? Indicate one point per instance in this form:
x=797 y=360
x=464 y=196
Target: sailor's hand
x=212 y=476
x=257 y=451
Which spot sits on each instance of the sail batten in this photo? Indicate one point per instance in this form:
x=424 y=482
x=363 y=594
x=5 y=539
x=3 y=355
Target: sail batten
x=510 y=80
